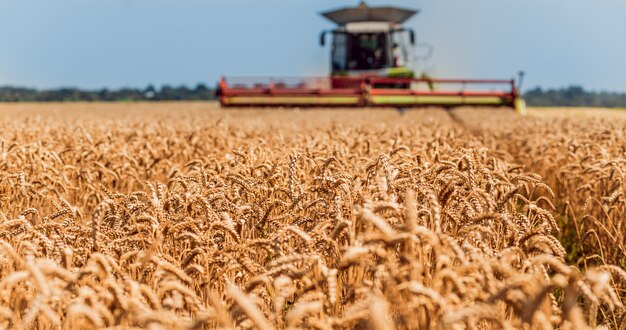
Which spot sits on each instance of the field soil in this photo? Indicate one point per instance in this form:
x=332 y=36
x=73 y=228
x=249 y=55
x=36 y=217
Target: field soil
x=188 y=216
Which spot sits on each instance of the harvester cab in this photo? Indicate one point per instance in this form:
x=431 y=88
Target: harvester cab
x=371 y=66
x=371 y=42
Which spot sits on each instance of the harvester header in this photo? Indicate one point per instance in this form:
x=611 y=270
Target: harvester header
x=372 y=65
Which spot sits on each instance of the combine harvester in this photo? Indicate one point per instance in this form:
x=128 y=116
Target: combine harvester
x=371 y=67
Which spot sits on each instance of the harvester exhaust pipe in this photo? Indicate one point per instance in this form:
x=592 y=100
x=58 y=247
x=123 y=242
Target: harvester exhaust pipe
x=520 y=79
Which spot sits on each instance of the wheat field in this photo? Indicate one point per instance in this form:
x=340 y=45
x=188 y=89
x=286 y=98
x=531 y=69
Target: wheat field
x=186 y=216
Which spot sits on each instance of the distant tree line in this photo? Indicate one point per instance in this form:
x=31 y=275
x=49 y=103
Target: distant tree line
x=573 y=96
x=150 y=93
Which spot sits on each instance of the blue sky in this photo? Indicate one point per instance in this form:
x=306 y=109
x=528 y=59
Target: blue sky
x=115 y=43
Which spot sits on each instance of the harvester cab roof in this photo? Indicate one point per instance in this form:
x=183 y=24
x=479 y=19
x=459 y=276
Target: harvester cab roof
x=365 y=13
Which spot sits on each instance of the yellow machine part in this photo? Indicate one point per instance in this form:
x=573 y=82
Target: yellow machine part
x=520 y=106
x=409 y=100
x=291 y=100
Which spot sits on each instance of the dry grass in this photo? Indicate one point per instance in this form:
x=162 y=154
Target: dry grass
x=578 y=112
x=184 y=216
